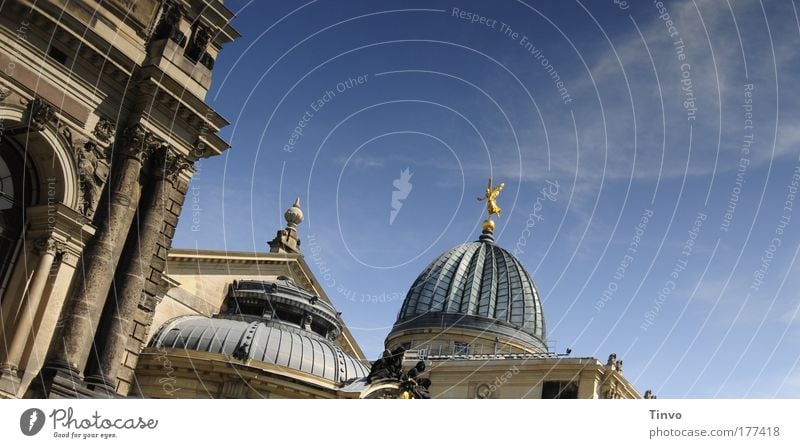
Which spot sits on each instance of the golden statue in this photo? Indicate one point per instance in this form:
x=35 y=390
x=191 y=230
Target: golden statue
x=491 y=198
x=491 y=203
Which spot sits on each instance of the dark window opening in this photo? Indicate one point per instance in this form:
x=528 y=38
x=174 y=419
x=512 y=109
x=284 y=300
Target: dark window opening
x=560 y=389
x=198 y=43
x=461 y=348
x=57 y=55
x=15 y=195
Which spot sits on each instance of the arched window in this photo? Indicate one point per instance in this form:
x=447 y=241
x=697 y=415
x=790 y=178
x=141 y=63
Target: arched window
x=14 y=193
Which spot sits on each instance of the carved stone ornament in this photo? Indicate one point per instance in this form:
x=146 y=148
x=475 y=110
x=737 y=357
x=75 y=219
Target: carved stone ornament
x=483 y=391
x=64 y=131
x=39 y=114
x=167 y=164
x=4 y=93
x=93 y=169
x=139 y=143
x=69 y=258
x=169 y=25
x=104 y=130
x=199 y=150
x=390 y=368
x=48 y=245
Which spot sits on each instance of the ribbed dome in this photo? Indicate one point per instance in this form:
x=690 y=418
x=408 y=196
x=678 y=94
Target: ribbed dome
x=270 y=342
x=477 y=286
x=275 y=322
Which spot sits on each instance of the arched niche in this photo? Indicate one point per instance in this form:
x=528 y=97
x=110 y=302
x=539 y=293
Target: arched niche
x=49 y=157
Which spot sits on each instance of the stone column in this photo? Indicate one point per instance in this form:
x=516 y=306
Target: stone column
x=101 y=256
x=132 y=274
x=47 y=248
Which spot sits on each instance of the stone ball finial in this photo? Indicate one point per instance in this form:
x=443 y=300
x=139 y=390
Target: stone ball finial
x=294 y=215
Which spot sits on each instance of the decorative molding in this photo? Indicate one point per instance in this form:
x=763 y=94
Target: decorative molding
x=4 y=93
x=39 y=114
x=104 y=130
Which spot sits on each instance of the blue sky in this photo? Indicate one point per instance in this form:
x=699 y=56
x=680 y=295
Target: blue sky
x=687 y=120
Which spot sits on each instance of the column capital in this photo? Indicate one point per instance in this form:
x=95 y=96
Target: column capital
x=168 y=164
x=48 y=245
x=139 y=143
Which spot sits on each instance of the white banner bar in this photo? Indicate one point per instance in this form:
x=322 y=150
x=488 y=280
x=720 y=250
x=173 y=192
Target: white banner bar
x=365 y=423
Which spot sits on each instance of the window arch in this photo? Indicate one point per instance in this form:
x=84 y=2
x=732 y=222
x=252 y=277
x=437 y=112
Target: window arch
x=15 y=195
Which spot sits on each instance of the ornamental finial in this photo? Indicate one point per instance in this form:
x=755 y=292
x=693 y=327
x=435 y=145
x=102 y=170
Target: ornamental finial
x=490 y=196
x=294 y=215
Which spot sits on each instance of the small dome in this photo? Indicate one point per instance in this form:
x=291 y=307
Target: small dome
x=269 y=342
x=479 y=287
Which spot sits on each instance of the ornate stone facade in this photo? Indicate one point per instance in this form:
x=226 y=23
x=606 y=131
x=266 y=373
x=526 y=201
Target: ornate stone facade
x=95 y=200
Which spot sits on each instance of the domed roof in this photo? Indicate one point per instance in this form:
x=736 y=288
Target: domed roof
x=478 y=286
x=275 y=322
x=270 y=342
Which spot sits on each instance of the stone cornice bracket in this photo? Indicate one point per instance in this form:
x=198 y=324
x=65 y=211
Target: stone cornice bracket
x=104 y=130
x=39 y=114
x=199 y=150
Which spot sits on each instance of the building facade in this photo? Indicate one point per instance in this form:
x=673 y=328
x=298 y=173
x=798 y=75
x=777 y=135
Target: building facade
x=103 y=116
